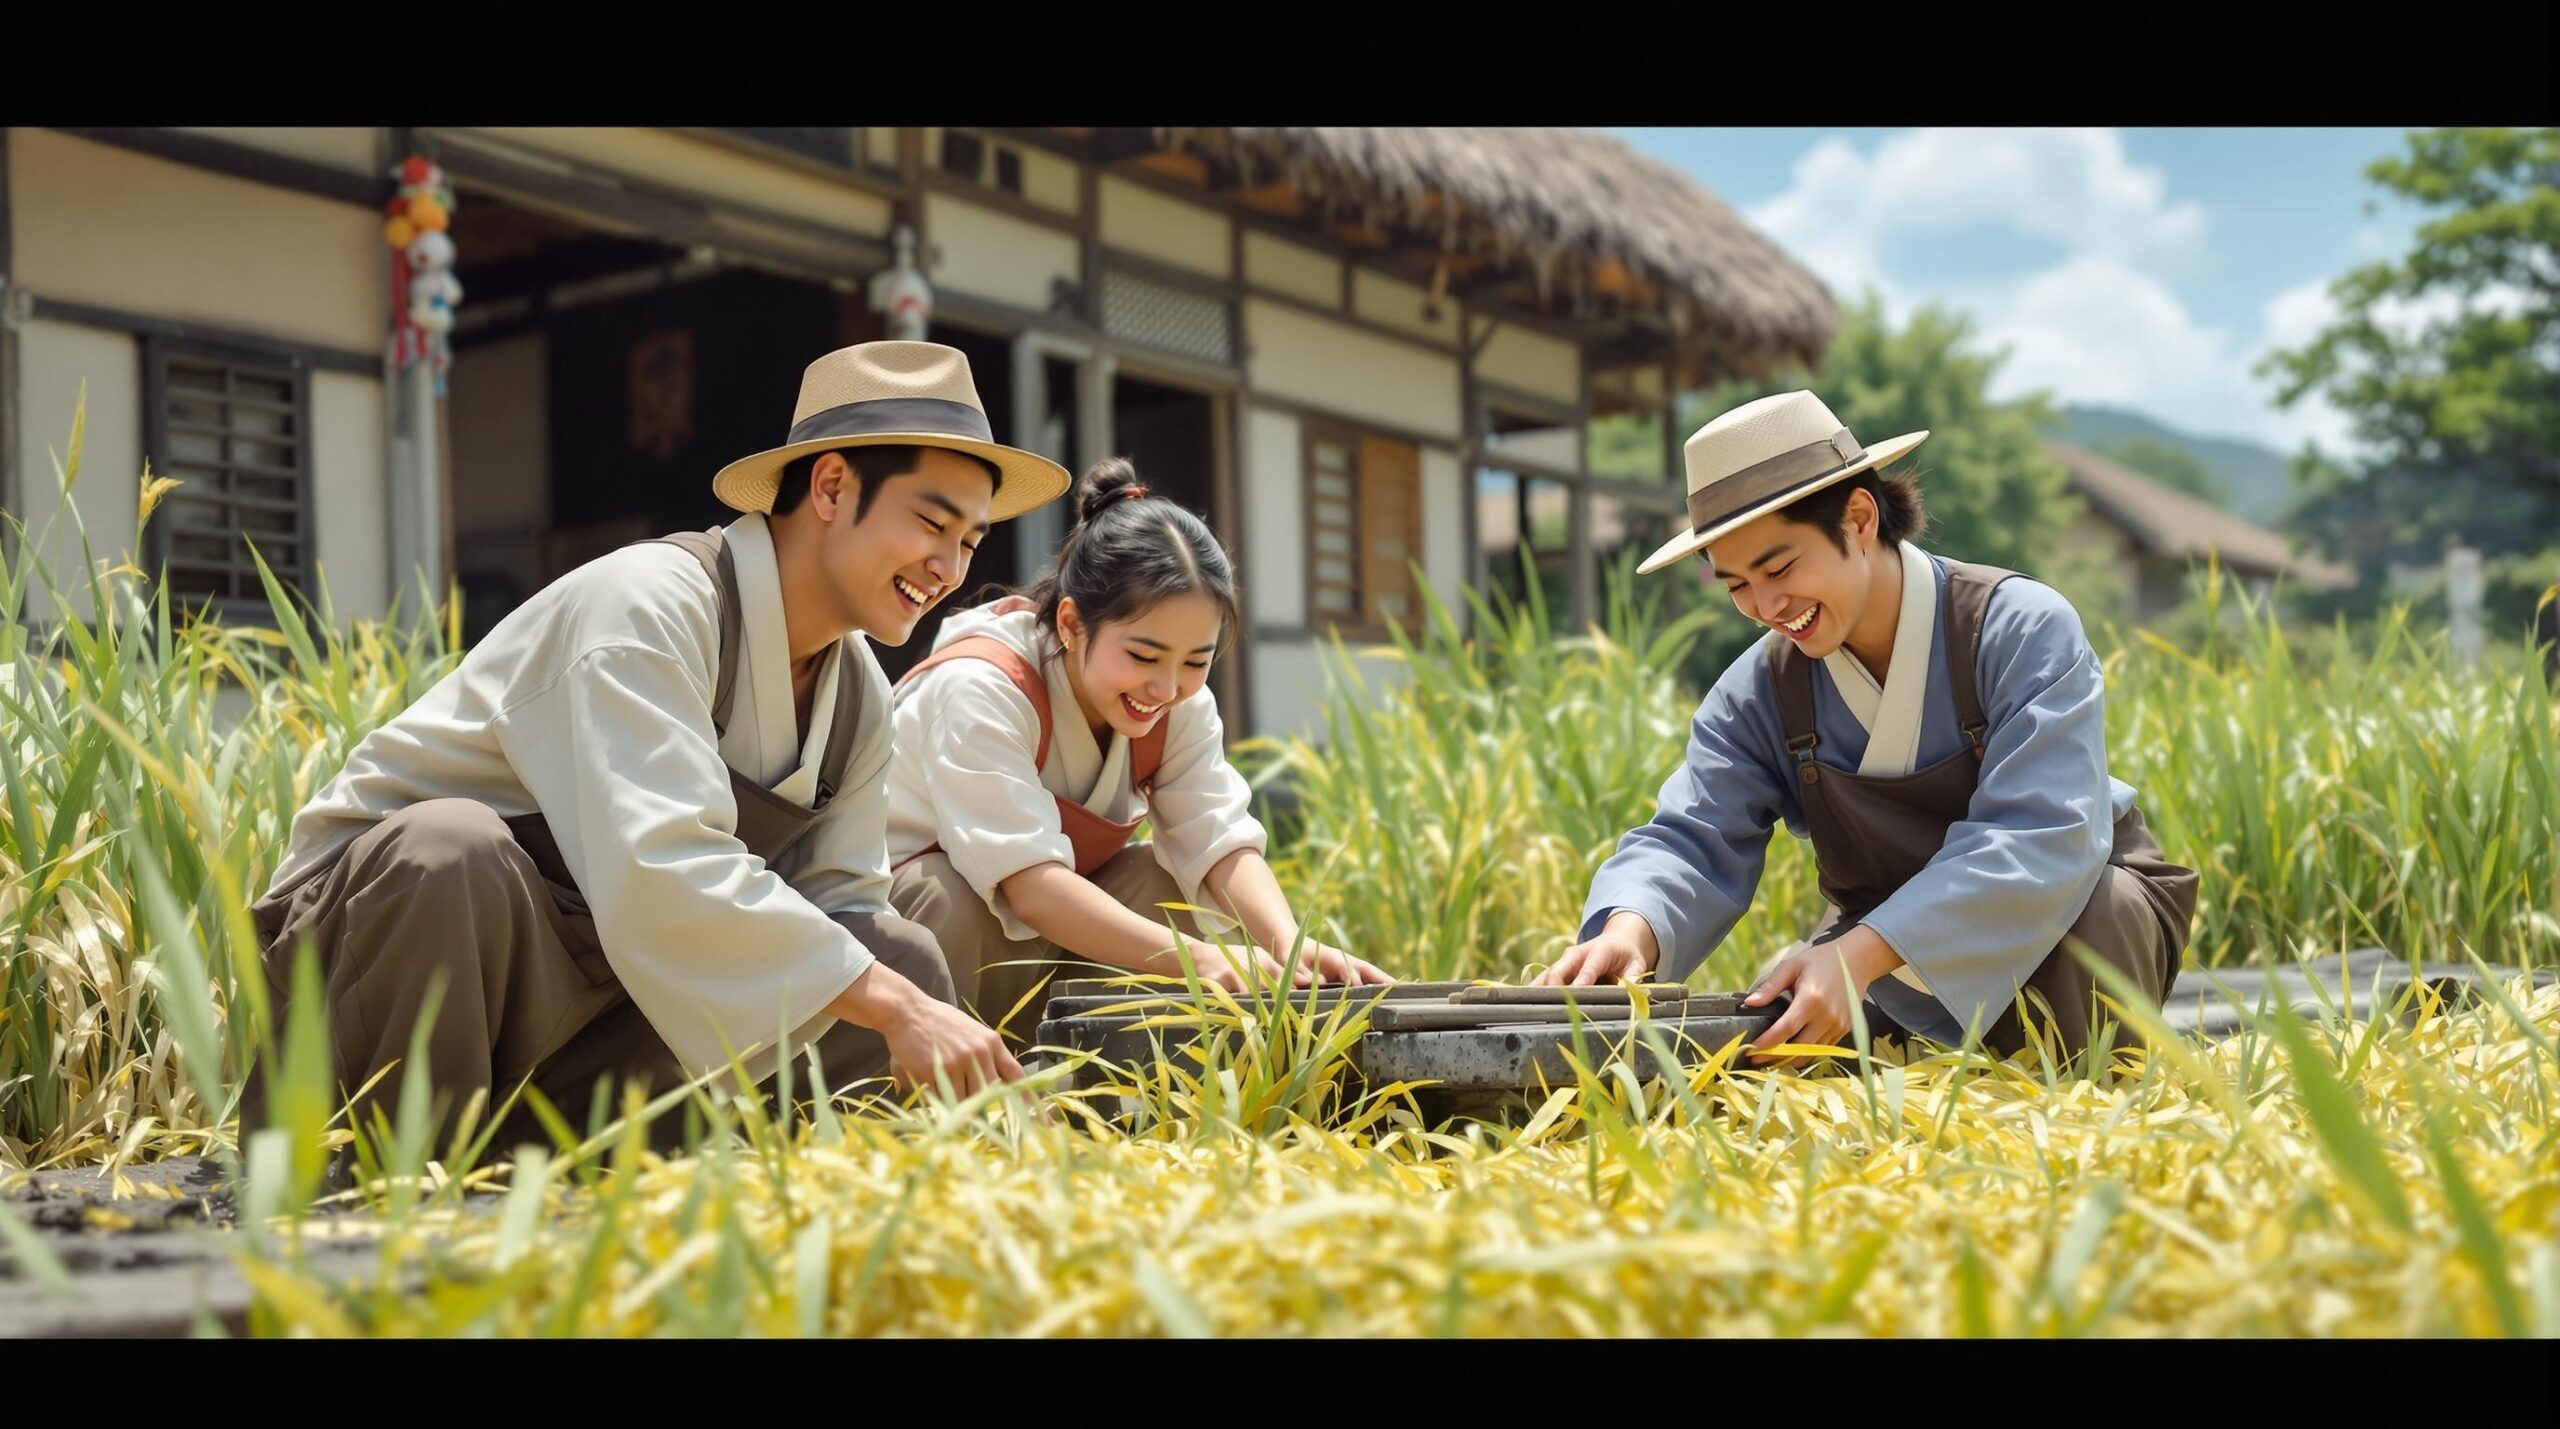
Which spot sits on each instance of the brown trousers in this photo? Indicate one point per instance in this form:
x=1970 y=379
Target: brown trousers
x=443 y=888
x=993 y=973
x=2136 y=921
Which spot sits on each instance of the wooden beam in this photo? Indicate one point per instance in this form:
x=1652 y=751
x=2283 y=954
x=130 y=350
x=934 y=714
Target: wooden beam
x=1089 y=245
x=1065 y=143
x=782 y=156
x=1190 y=168
x=1636 y=347
x=1012 y=205
x=314 y=355
x=9 y=436
x=594 y=256
x=677 y=219
x=1225 y=176
x=1279 y=198
x=1273 y=402
x=241 y=161
x=1110 y=146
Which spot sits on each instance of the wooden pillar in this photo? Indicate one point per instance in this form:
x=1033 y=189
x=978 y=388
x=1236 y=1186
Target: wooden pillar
x=11 y=307
x=1583 y=561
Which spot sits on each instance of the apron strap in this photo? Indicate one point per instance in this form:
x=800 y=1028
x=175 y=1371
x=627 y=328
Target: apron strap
x=1004 y=657
x=1966 y=597
x=722 y=566
x=840 y=734
x=1146 y=754
x=1793 y=676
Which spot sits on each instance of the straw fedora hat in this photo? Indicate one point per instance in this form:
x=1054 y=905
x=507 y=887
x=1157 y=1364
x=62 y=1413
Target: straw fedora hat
x=893 y=394
x=1763 y=455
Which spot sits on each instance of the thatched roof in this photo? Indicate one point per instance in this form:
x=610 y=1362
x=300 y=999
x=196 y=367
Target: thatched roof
x=2164 y=521
x=1593 y=223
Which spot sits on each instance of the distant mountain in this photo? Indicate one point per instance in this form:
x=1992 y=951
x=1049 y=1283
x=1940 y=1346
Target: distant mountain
x=2254 y=475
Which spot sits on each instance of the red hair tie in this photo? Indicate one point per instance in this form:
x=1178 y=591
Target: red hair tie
x=1132 y=492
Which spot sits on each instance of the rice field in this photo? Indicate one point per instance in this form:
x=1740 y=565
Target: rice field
x=2321 y=1175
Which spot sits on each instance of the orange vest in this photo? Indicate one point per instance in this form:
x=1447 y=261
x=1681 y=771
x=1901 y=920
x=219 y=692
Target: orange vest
x=1095 y=839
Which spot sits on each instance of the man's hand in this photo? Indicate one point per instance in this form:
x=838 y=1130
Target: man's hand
x=1625 y=950
x=1822 y=984
x=926 y=1035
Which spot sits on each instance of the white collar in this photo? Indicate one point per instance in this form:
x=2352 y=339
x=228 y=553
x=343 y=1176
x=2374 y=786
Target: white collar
x=1890 y=713
x=1096 y=767
x=774 y=757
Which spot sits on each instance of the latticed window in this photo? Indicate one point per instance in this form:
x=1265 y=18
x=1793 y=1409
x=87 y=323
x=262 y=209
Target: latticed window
x=1161 y=315
x=233 y=429
x=1364 y=527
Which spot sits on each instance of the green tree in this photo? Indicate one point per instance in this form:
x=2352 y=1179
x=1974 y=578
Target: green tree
x=2172 y=466
x=2446 y=360
x=1993 y=492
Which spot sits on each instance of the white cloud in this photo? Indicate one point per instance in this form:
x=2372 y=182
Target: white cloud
x=2296 y=315
x=2072 y=186
x=2099 y=330
x=2099 y=324
x=2293 y=317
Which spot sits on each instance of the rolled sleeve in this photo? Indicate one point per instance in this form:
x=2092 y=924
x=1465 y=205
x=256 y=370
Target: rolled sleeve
x=979 y=740
x=1691 y=871
x=1202 y=809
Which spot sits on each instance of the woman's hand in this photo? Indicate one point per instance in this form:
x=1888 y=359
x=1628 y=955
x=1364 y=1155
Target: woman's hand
x=1334 y=965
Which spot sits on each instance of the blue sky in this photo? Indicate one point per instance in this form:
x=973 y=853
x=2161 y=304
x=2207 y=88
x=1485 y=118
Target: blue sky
x=2141 y=268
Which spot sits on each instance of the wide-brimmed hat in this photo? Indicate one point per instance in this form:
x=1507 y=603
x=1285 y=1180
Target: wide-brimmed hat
x=1764 y=455
x=893 y=394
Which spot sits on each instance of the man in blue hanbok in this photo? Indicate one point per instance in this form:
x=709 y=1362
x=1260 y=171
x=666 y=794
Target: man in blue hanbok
x=1935 y=728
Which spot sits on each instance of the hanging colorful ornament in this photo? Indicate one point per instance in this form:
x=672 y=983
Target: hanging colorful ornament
x=424 y=291
x=429 y=251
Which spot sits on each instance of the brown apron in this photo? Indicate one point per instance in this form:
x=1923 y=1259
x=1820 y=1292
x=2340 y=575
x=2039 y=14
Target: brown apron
x=1096 y=840
x=1872 y=834
x=768 y=824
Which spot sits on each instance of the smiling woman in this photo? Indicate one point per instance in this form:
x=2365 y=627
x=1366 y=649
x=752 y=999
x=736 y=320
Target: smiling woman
x=1045 y=728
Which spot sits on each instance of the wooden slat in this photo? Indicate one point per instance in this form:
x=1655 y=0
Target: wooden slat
x=1390 y=486
x=234 y=500
x=1443 y=1016
x=1606 y=995
x=218 y=429
x=234 y=399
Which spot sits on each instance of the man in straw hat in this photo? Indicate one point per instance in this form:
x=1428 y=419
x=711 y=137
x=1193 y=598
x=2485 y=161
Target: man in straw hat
x=1936 y=728
x=641 y=827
